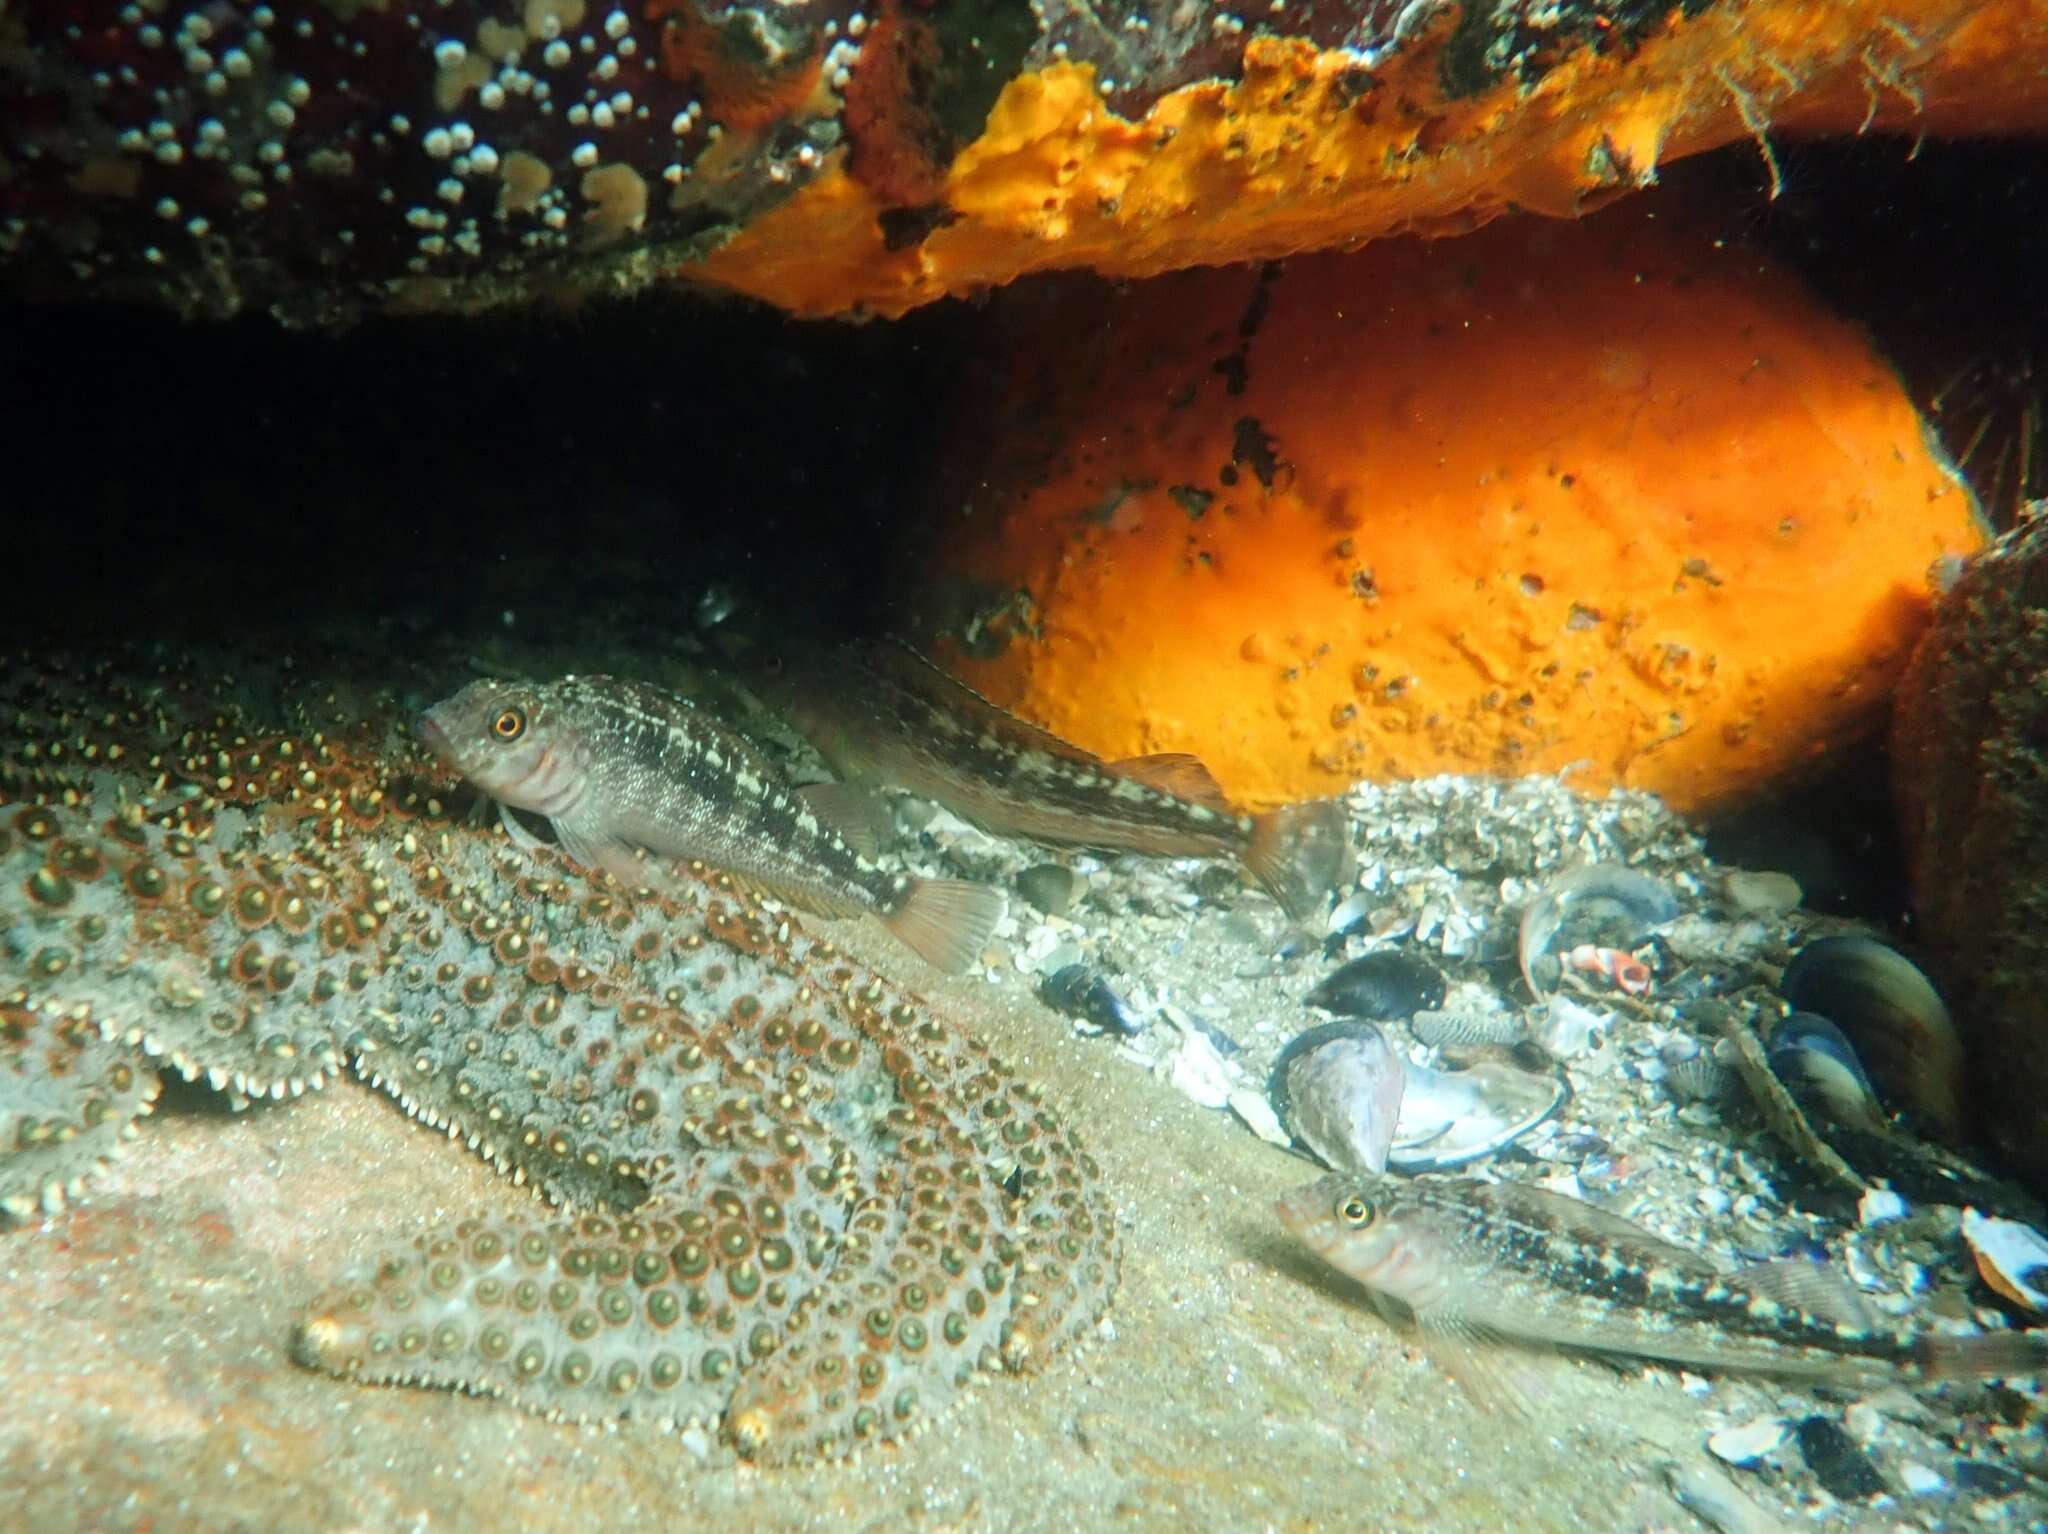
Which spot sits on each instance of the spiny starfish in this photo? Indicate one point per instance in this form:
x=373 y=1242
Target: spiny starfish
x=805 y=1211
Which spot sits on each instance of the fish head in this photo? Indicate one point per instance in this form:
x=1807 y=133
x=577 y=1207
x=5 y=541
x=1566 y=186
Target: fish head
x=1350 y=1222
x=512 y=740
x=1375 y=1231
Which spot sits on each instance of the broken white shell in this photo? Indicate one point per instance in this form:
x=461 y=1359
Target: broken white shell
x=2013 y=1258
x=1568 y=1029
x=1450 y=1118
x=1748 y=1442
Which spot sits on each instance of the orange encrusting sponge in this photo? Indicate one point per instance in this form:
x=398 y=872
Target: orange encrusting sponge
x=1552 y=493
x=1309 y=150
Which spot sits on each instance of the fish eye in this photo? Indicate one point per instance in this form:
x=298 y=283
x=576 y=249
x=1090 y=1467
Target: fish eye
x=1356 y=1211
x=510 y=724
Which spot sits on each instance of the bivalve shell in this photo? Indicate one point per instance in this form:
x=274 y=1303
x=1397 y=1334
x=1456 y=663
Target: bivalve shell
x=1450 y=1119
x=1388 y=984
x=1893 y=1016
x=2012 y=1258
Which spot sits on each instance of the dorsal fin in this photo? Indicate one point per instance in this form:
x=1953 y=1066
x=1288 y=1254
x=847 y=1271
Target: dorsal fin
x=1811 y=1287
x=1578 y=1218
x=1179 y=774
x=909 y=669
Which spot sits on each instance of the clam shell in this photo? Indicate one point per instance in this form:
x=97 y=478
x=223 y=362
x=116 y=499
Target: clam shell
x=1568 y=1029
x=2013 y=1258
x=1893 y=1016
x=1749 y=1442
x=1435 y=1028
x=1348 y=1099
x=1701 y=1079
x=1760 y=893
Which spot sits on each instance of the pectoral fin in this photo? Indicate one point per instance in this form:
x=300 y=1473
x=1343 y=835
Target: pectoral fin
x=947 y=922
x=856 y=816
x=1300 y=853
x=517 y=833
x=1490 y=1371
x=1808 y=1286
x=595 y=849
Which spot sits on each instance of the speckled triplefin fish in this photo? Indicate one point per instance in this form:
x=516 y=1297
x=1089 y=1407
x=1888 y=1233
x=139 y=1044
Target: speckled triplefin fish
x=618 y=767
x=1473 y=1263
x=881 y=713
x=804 y=1211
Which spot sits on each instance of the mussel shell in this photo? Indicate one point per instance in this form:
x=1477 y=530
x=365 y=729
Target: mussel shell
x=1893 y=1017
x=1779 y=1109
x=1388 y=984
x=1337 y=1089
x=1451 y=1119
x=1080 y=992
x=1328 y=1087
x=1051 y=887
x=1818 y=1064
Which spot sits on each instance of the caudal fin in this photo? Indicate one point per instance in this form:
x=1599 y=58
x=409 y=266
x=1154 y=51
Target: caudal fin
x=1996 y=1355
x=1300 y=853
x=947 y=922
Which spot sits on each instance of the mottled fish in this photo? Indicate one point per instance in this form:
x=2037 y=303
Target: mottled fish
x=1472 y=1263
x=881 y=714
x=619 y=768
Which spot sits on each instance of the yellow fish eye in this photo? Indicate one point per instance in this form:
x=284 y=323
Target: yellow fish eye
x=1356 y=1211
x=510 y=724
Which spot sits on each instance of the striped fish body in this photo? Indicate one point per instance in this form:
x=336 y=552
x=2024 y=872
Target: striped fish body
x=882 y=714
x=619 y=768
x=1473 y=1263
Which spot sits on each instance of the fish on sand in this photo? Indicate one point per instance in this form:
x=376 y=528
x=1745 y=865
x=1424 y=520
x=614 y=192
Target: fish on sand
x=1474 y=1265
x=619 y=768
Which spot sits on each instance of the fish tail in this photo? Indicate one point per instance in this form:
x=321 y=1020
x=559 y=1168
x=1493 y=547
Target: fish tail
x=946 y=922
x=1998 y=1355
x=1300 y=853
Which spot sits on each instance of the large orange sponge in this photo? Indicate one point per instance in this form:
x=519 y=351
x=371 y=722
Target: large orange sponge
x=1604 y=493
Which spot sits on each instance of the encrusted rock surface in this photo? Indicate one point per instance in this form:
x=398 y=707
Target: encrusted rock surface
x=1970 y=762
x=844 y=155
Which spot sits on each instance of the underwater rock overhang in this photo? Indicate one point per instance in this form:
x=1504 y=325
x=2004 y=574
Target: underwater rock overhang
x=848 y=156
